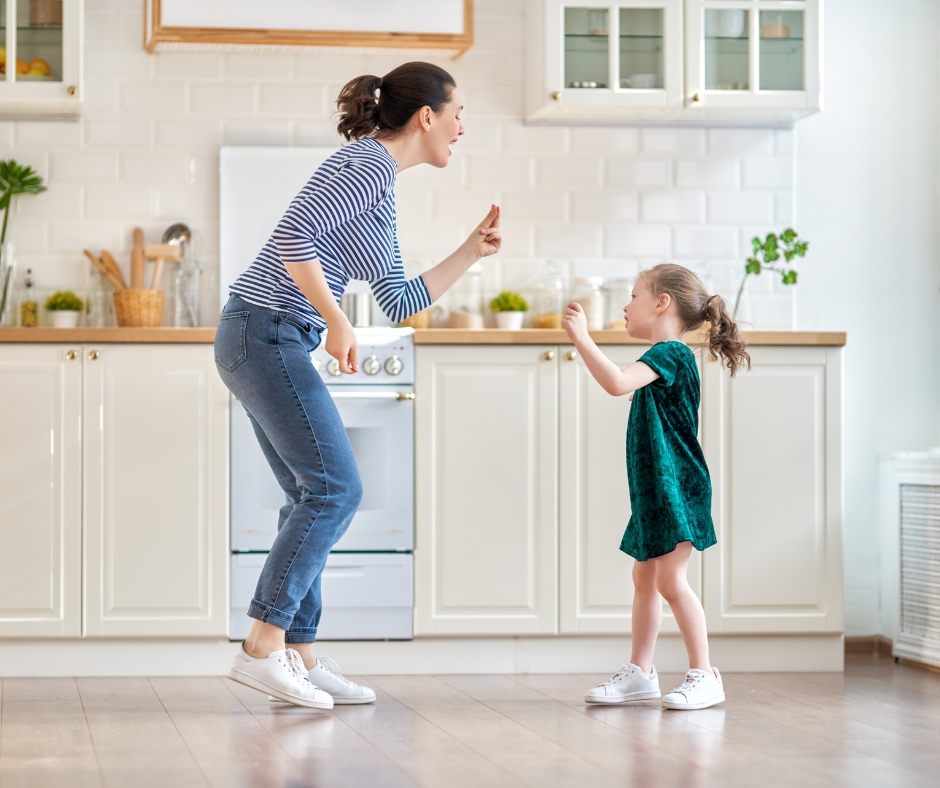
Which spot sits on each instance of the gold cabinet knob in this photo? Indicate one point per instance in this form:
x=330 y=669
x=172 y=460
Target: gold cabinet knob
x=571 y=355
x=93 y=355
x=404 y=397
x=70 y=355
x=696 y=98
x=548 y=355
x=556 y=96
x=71 y=90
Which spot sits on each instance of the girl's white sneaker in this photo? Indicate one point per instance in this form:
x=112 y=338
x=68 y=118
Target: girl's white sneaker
x=327 y=675
x=699 y=691
x=282 y=675
x=630 y=684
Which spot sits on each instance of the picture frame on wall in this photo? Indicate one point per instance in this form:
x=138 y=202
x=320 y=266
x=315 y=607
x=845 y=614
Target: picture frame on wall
x=407 y=24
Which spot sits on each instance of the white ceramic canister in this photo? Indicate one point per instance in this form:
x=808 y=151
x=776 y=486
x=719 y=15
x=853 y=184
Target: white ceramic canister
x=587 y=292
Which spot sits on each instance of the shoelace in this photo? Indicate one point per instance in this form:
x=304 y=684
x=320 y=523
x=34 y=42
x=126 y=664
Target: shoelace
x=624 y=671
x=329 y=665
x=296 y=665
x=692 y=678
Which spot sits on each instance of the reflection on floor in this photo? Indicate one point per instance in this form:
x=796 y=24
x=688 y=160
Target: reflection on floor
x=875 y=725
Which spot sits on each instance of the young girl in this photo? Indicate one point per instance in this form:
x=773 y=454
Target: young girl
x=670 y=491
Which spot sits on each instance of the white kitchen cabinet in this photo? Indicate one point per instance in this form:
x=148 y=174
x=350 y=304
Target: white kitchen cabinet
x=36 y=34
x=694 y=61
x=40 y=490
x=773 y=442
x=753 y=60
x=595 y=577
x=155 y=491
x=486 y=438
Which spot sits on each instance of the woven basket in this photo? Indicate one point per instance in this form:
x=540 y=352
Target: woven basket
x=139 y=308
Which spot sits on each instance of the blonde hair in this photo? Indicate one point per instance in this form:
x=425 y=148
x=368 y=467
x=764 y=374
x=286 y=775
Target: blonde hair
x=695 y=305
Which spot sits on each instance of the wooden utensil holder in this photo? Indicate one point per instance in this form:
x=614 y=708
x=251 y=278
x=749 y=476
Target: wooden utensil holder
x=139 y=308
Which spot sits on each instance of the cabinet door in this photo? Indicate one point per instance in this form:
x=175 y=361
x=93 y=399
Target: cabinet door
x=486 y=451
x=773 y=442
x=155 y=491
x=595 y=577
x=753 y=55
x=40 y=490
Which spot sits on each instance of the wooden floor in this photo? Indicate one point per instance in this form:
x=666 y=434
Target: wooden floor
x=876 y=725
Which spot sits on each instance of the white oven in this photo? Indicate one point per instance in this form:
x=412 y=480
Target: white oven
x=368 y=580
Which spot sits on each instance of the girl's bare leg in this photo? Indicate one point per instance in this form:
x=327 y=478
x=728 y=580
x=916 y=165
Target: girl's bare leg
x=647 y=615
x=673 y=583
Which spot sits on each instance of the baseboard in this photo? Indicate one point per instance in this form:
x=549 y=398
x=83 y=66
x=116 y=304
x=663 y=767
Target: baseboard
x=732 y=654
x=869 y=644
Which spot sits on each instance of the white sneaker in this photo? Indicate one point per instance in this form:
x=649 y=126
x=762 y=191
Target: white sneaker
x=630 y=683
x=282 y=675
x=699 y=691
x=326 y=674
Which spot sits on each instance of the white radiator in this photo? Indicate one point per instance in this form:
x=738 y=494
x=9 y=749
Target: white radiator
x=910 y=514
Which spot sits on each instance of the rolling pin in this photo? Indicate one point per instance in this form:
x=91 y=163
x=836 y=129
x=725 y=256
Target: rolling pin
x=137 y=260
x=160 y=253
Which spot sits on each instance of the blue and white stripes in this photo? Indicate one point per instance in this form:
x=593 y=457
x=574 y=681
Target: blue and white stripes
x=345 y=218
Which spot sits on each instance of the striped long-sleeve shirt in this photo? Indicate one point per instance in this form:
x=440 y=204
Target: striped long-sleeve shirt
x=345 y=218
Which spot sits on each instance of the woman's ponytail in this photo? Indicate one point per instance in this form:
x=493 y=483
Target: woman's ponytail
x=358 y=105
x=695 y=306
x=723 y=340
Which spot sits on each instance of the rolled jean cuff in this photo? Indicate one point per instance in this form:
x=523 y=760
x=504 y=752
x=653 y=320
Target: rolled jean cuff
x=269 y=615
x=301 y=635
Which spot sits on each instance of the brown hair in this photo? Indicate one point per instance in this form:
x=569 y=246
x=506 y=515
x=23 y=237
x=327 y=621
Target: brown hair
x=370 y=104
x=695 y=305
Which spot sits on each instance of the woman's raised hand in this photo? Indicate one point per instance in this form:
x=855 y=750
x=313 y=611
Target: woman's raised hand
x=487 y=239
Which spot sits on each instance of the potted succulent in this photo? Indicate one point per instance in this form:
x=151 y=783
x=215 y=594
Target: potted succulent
x=65 y=307
x=510 y=309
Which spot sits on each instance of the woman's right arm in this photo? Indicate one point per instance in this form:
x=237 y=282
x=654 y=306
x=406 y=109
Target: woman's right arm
x=485 y=240
x=341 y=337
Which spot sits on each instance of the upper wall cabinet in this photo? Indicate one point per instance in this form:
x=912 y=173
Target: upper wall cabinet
x=42 y=57
x=712 y=61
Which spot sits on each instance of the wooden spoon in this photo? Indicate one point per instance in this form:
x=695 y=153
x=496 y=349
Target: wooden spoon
x=104 y=271
x=113 y=267
x=137 y=260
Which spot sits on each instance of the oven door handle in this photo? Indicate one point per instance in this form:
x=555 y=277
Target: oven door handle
x=401 y=396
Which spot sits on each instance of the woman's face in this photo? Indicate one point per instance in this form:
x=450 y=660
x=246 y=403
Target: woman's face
x=444 y=130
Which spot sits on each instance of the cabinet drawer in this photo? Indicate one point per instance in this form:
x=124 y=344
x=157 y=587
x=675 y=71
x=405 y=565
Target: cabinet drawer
x=366 y=596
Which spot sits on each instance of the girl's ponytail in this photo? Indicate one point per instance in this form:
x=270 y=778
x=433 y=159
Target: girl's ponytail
x=358 y=106
x=723 y=339
x=695 y=306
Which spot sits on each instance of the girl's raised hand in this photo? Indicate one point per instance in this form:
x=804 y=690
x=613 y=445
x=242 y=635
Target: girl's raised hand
x=575 y=322
x=486 y=238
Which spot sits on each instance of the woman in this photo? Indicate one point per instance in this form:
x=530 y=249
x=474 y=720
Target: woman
x=340 y=227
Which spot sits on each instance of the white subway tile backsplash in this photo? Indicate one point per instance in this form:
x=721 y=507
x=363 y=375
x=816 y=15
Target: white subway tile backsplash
x=102 y=26
x=258 y=132
x=672 y=140
x=673 y=207
x=123 y=132
x=459 y=206
x=58 y=200
x=83 y=166
x=257 y=66
x=223 y=98
x=329 y=67
x=430 y=239
x=317 y=133
x=187 y=203
x=638 y=240
x=478 y=65
x=152 y=96
x=119 y=201
x=537 y=205
x=500 y=31
x=132 y=24
x=498 y=170
x=99 y=97
x=588 y=139
x=28 y=236
x=569 y=171
x=154 y=167
x=604 y=206
x=783 y=142
x=48 y=134
x=479 y=136
x=518 y=238
x=513 y=65
x=737 y=207
x=70 y=236
x=638 y=172
x=708 y=173
x=414 y=202
x=568 y=240
x=703 y=242
x=37 y=159
x=293 y=99
x=743 y=142
x=454 y=174
x=548 y=139
x=492 y=101
x=6 y=134
x=783 y=208
x=117 y=61
x=203 y=66
x=188 y=132
x=768 y=173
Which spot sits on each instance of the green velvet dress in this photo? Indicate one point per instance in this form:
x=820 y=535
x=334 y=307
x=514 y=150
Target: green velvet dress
x=670 y=490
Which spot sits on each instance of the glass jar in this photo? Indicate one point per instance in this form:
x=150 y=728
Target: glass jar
x=466 y=299
x=587 y=292
x=99 y=305
x=548 y=306
x=617 y=294
x=186 y=294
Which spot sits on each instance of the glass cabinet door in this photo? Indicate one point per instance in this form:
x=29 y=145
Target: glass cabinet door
x=587 y=47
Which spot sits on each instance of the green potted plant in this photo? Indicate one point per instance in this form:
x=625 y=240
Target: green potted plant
x=14 y=179
x=766 y=255
x=510 y=309
x=65 y=307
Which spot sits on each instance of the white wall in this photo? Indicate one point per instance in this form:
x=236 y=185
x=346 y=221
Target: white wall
x=867 y=196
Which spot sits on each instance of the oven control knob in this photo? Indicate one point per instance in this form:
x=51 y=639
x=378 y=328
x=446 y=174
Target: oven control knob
x=371 y=365
x=332 y=366
x=394 y=366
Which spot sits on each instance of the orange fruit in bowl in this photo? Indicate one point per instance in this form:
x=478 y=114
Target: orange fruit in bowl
x=21 y=66
x=3 y=55
x=38 y=64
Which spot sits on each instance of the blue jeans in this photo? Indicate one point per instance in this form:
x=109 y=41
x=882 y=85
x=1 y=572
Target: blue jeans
x=263 y=357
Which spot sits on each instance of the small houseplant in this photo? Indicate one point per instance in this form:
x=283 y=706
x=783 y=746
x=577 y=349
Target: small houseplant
x=65 y=307
x=14 y=179
x=510 y=309
x=765 y=256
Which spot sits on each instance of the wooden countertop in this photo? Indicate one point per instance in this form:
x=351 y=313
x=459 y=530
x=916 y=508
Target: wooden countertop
x=103 y=335
x=550 y=336
x=428 y=336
